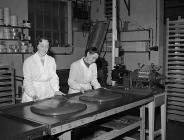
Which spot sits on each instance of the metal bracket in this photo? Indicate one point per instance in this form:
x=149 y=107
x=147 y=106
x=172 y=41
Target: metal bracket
x=127 y=6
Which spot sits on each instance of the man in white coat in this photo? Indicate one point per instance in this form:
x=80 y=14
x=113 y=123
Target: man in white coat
x=40 y=78
x=83 y=73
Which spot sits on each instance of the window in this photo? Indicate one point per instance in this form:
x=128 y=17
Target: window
x=49 y=19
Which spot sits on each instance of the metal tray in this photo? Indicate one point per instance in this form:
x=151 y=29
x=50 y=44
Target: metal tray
x=100 y=95
x=57 y=106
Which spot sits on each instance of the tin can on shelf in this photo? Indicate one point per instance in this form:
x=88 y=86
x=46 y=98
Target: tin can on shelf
x=14 y=20
x=1 y=17
x=24 y=47
x=7 y=16
x=1 y=33
x=6 y=32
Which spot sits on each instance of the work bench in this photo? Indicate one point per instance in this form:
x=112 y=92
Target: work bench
x=19 y=122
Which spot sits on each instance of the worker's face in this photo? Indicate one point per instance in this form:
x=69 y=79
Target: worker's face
x=91 y=58
x=43 y=47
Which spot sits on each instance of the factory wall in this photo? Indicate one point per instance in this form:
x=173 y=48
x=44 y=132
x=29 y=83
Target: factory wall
x=142 y=14
x=20 y=8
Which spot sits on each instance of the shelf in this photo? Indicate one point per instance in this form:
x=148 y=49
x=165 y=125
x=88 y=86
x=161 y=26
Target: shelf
x=119 y=126
x=136 y=51
x=135 y=41
x=13 y=39
x=176 y=31
x=14 y=27
x=17 y=35
x=132 y=30
x=135 y=30
x=15 y=52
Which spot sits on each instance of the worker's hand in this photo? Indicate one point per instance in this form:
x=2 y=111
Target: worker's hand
x=82 y=90
x=59 y=93
x=35 y=98
x=103 y=87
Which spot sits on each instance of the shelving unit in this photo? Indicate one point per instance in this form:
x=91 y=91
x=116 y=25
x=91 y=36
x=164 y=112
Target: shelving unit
x=14 y=39
x=7 y=85
x=14 y=27
x=136 y=51
x=147 y=39
x=13 y=43
x=136 y=41
x=175 y=69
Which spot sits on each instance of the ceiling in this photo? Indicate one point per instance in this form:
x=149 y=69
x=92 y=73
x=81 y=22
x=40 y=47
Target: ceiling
x=173 y=8
x=174 y=3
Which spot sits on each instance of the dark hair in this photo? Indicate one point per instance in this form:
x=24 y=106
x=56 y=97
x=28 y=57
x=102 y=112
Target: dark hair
x=38 y=40
x=91 y=50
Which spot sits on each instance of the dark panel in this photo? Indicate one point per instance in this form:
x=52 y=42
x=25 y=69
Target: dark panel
x=97 y=36
x=13 y=128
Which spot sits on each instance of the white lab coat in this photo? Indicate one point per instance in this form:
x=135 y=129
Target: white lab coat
x=39 y=79
x=82 y=76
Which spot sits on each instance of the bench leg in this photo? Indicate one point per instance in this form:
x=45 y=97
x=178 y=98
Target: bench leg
x=65 y=136
x=163 y=121
x=151 y=115
x=142 y=128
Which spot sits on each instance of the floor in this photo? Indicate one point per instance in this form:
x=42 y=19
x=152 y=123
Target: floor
x=175 y=130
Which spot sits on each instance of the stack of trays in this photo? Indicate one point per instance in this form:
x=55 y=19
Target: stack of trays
x=175 y=69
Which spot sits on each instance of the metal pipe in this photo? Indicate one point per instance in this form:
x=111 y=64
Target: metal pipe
x=65 y=53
